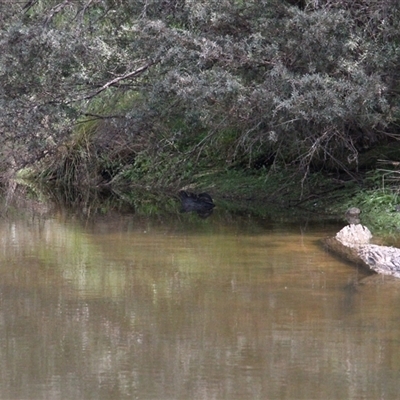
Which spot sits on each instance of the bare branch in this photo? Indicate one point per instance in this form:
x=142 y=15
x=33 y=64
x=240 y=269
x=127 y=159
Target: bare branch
x=55 y=10
x=96 y=117
x=29 y=5
x=114 y=81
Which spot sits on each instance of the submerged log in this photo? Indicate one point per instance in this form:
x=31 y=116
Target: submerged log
x=381 y=259
x=353 y=244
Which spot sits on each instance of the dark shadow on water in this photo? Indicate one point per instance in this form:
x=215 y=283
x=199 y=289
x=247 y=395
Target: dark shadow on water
x=184 y=208
x=41 y=200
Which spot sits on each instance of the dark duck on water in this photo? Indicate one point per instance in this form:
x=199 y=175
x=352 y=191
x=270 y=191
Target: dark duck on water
x=201 y=203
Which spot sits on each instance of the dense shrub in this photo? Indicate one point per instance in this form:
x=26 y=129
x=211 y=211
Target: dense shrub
x=209 y=82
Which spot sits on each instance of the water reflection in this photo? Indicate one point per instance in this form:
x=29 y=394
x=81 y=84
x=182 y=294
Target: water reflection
x=126 y=307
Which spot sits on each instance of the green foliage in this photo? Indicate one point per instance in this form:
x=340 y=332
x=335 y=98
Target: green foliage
x=378 y=201
x=156 y=172
x=158 y=92
x=379 y=210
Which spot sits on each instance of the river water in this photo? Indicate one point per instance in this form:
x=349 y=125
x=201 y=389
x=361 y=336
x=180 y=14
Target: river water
x=121 y=306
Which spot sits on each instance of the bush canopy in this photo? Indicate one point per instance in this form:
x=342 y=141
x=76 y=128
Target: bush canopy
x=171 y=86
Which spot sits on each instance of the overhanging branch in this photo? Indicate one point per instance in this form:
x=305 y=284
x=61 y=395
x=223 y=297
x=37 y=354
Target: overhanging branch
x=114 y=81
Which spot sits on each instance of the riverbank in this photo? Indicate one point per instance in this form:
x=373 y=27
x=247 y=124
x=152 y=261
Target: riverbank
x=287 y=195
x=283 y=195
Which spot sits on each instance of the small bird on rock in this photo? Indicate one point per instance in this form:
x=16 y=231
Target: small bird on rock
x=353 y=215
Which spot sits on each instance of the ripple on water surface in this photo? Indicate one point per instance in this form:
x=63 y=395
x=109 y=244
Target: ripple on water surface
x=130 y=307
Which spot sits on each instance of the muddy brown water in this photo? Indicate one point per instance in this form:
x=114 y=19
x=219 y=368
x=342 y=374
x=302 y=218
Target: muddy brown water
x=127 y=307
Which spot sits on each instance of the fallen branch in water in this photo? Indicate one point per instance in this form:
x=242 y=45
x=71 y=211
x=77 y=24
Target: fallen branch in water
x=353 y=244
